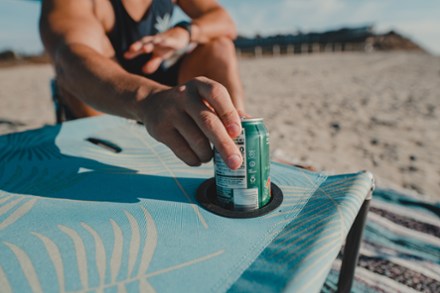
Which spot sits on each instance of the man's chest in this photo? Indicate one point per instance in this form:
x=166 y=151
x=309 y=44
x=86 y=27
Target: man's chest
x=105 y=10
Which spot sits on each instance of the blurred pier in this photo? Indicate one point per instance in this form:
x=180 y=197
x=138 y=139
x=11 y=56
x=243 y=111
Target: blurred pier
x=361 y=39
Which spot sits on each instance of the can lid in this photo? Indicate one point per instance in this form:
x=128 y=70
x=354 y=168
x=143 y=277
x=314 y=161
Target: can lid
x=243 y=119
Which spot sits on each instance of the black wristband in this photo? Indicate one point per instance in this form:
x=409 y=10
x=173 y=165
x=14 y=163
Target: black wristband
x=186 y=26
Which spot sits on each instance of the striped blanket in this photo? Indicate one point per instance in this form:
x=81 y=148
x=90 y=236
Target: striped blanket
x=401 y=247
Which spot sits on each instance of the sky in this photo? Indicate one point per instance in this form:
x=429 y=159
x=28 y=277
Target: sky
x=418 y=20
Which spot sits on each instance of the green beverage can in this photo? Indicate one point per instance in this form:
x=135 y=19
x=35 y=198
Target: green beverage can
x=248 y=187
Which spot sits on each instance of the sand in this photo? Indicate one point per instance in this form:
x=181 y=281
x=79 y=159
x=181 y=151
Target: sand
x=337 y=112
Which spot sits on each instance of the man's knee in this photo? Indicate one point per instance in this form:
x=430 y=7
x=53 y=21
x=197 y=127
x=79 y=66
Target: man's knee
x=215 y=59
x=222 y=44
x=222 y=48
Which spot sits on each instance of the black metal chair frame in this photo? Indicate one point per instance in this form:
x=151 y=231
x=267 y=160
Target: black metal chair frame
x=352 y=245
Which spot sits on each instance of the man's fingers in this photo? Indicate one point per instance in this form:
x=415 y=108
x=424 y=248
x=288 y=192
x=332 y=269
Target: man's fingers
x=148 y=39
x=215 y=131
x=180 y=147
x=168 y=43
x=145 y=49
x=134 y=50
x=244 y=114
x=218 y=97
x=144 y=45
x=157 y=39
x=136 y=46
x=152 y=65
x=195 y=138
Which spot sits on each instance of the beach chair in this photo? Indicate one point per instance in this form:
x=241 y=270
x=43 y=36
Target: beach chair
x=354 y=237
x=97 y=204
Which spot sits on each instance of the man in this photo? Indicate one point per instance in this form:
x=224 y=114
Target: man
x=116 y=56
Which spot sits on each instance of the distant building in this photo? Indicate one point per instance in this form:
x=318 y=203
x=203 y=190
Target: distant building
x=346 y=39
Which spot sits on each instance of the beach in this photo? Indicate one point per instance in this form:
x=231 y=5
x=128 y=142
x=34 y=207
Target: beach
x=337 y=112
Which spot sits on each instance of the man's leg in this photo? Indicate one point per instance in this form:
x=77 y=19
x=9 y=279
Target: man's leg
x=72 y=107
x=216 y=60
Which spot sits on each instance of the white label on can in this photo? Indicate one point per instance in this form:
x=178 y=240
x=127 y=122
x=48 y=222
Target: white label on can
x=246 y=198
x=226 y=178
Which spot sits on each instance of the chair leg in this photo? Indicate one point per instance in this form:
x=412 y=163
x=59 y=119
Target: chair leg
x=351 y=250
x=59 y=114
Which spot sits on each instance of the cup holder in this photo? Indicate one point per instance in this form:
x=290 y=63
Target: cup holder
x=207 y=197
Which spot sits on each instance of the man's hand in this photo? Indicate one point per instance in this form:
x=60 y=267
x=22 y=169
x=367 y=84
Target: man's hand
x=163 y=46
x=188 y=117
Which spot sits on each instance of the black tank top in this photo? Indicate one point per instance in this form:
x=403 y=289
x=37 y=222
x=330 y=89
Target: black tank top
x=127 y=31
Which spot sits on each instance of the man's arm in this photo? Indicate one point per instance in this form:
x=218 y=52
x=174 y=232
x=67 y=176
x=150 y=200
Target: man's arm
x=76 y=42
x=178 y=117
x=209 y=20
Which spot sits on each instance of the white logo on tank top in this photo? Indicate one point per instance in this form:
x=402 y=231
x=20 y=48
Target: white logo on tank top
x=163 y=24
